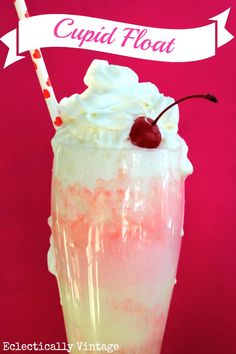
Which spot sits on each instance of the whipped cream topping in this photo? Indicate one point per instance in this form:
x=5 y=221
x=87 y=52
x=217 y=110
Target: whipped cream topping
x=104 y=113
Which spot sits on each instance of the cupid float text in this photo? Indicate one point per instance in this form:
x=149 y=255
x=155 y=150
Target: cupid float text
x=134 y=37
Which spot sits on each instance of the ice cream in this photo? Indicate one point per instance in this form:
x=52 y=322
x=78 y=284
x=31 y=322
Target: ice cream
x=103 y=114
x=117 y=212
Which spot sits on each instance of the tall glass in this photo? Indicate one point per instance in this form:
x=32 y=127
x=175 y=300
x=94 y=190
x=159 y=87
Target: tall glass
x=117 y=218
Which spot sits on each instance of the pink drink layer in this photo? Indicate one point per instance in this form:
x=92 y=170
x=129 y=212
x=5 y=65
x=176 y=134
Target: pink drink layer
x=117 y=225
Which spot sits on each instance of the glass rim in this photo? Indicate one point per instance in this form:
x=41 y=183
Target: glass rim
x=73 y=143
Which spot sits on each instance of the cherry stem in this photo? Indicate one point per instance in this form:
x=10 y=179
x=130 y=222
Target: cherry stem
x=208 y=97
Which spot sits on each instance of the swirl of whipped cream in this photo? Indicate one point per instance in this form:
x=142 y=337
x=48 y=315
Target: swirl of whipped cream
x=104 y=113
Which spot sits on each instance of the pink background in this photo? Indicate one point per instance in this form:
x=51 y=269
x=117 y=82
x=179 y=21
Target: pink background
x=202 y=314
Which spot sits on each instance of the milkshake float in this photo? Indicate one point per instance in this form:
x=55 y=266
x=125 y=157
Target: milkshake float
x=117 y=212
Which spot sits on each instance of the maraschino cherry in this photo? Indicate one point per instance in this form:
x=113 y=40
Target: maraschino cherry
x=145 y=132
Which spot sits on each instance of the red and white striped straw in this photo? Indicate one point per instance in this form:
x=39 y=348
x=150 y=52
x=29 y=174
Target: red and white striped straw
x=41 y=71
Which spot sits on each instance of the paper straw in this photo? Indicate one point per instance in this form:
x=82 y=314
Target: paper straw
x=41 y=71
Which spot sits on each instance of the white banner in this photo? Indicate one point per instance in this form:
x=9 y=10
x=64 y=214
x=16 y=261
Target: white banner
x=158 y=44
